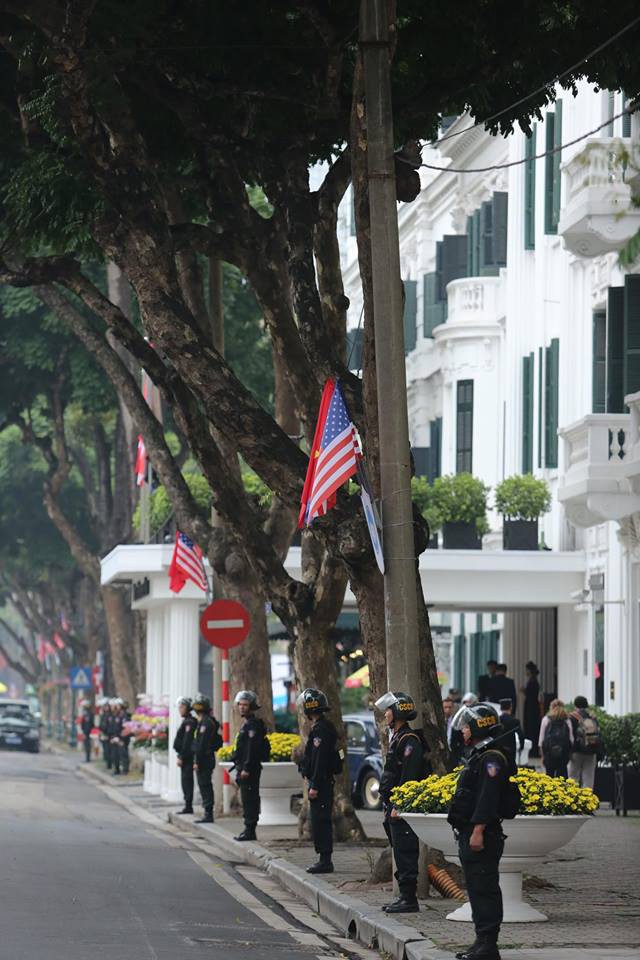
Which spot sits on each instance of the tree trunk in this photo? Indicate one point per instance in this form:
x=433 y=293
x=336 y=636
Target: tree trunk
x=123 y=660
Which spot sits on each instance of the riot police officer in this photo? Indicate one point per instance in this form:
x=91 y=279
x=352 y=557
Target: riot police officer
x=115 y=731
x=247 y=758
x=475 y=815
x=319 y=765
x=125 y=736
x=106 y=715
x=405 y=760
x=183 y=746
x=205 y=743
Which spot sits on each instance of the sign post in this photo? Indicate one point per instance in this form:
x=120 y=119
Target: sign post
x=225 y=624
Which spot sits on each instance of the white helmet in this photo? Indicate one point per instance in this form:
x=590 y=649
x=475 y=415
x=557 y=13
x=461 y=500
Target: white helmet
x=184 y=702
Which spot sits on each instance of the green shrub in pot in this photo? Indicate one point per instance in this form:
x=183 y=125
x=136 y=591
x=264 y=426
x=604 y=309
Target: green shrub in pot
x=461 y=498
x=522 y=497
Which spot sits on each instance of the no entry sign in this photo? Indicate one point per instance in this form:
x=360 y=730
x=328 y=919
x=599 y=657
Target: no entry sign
x=225 y=624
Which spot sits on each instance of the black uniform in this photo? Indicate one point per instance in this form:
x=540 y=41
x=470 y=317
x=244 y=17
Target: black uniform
x=478 y=797
x=86 y=725
x=319 y=767
x=510 y=723
x=183 y=746
x=405 y=761
x=247 y=758
x=105 y=736
x=125 y=739
x=119 y=743
x=205 y=758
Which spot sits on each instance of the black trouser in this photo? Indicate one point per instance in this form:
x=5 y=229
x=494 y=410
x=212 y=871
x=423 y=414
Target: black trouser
x=205 y=785
x=186 y=781
x=557 y=768
x=320 y=812
x=114 y=751
x=482 y=878
x=250 y=795
x=123 y=756
x=106 y=753
x=87 y=747
x=404 y=844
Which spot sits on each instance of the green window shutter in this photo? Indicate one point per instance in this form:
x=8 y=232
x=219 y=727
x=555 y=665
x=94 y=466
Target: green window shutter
x=530 y=191
x=626 y=119
x=599 y=362
x=459 y=658
x=464 y=426
x=615 y=350
x=557 y=159
x=549 y=225
x=410 y=314
x=500 y=204
x=527 y=414
x=454 y=260
x=435 y=465
x=540 y=405
x=475 y=245
x=551 y=404
x=421 y=460
x=440 y=294
x=354 y=349
x=631 y=334
x=432 y=307
x=469 y=272
x=487 y=264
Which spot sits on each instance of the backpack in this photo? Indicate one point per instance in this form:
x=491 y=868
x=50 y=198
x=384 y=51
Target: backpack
x=588 y=737
x=510 y=799
x=557 y=742
x=265 y=746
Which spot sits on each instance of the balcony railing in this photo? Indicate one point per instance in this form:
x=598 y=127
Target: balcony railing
x=473 y=301
x=597 y=216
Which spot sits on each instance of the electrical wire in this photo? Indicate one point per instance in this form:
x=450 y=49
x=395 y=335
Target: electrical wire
x=541 y=89
x=517 y=163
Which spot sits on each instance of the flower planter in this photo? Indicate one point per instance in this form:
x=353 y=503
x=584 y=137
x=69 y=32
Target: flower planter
x=529 y=841
x=520 y=534
x=460 y=535
x=278 y=783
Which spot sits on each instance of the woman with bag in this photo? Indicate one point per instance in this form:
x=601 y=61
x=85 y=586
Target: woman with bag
x=556 y=740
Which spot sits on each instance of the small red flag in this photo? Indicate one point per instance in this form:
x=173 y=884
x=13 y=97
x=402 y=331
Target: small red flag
x=141 y=462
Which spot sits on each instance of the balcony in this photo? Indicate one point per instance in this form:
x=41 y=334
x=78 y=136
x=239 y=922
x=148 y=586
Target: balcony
x=601 y=478
x=597 y=216
x=474 y=308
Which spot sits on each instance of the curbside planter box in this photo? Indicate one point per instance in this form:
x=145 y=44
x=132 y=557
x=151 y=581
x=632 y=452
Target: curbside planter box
x=460 y=535
x=520 y=534
x=278 y=782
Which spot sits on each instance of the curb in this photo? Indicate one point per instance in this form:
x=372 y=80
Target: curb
x=98 y=774
x=354 y=918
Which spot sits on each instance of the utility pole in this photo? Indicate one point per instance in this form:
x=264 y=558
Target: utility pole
x=400 y=597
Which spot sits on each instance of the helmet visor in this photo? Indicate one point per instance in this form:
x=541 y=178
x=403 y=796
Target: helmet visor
x=463 y=718
x=386 y=701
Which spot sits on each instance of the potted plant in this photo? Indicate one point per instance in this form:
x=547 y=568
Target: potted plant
x=280 y=778
x=551 y=813
x=459 y=501
x=521 y=500
x=619 y=775
x=422 y=496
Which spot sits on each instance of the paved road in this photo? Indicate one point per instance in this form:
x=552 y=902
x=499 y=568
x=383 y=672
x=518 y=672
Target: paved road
x=79 y=875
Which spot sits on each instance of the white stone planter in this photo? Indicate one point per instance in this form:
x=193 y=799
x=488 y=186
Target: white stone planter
x=279 y=781
x=529 y=841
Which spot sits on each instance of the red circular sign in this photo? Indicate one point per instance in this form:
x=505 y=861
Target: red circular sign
x=225 y=624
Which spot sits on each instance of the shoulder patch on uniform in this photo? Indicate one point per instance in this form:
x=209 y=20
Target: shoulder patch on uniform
x=187 y=728
x=317 y=741
x=492 y=768
x=252 y=733
x=408 y=750
x=202 y=728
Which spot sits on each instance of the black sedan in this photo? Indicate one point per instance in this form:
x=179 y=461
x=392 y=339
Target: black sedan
x=365 y=759
x=19 y=729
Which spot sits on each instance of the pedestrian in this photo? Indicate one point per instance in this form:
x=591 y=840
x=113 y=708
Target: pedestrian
x=115 y=730
x=556 y=740
x=183 y=746
x=469 y=699
x=105 y=731
x=587 y=743
x=509 y=722
x=449 y=710
x=485 y=679
x=456 y=695
x=86 y=725
x=124 y=737
x=501 y=687
x=252 y=747
x=406 y=760
x=206 y=741
x=320 y=764
x=475 y=814
x=531 y=712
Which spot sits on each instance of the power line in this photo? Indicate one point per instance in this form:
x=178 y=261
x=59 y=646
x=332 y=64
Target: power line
x=545 y=86
x=517 y=163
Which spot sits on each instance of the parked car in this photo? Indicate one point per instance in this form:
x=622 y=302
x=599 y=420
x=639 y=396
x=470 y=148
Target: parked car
x=18 y=726
x=365 y=759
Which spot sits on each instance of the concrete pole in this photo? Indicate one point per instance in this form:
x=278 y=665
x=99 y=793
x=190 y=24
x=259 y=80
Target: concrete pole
x=400 y=599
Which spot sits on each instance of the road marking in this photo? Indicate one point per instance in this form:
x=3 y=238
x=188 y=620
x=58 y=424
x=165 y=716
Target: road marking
x=225 y=624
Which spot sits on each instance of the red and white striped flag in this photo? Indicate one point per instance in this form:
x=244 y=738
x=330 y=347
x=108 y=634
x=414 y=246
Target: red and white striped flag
x=141 y=462
x=186 y=564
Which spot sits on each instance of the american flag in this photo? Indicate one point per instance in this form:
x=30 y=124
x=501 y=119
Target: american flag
x=186 y=564
x=141 y=462
x=334 y=455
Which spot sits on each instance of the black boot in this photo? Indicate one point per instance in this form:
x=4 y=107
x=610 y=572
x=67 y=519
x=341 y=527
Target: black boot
x=484 y=948
x=208 y=818
x=324 y=865
x=249 y=833
x=186 y=810
x=403 y=904
x=469 y=952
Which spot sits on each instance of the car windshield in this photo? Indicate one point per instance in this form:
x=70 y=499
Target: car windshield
x=372 y=730
x=14 y=710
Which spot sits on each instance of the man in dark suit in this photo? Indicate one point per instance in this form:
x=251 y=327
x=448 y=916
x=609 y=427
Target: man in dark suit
x=510 y=722
x=485 y=679
x=502 y=687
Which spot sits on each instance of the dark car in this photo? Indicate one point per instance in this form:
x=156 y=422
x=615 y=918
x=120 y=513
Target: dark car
x=365 y=759
x=18 y=726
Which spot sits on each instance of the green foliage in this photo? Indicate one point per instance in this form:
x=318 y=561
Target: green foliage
x=247 y=344
x=523 y=497
x=620 y=736
x=422 y=496
x=460 y=498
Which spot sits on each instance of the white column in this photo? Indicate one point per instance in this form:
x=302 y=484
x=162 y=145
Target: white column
x=155 y=641
x=181 y=645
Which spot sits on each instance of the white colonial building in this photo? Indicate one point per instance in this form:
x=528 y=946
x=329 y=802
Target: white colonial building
x=522 y=337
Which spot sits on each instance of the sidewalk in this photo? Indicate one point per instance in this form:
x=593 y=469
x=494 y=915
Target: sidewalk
x=587 y=889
